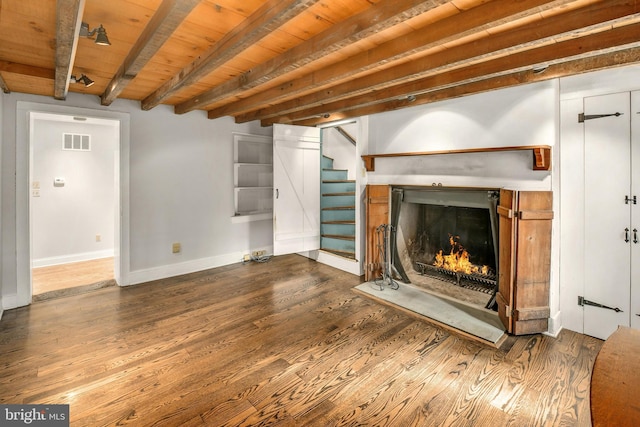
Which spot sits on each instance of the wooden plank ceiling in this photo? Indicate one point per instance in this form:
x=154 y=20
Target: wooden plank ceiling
x=306 y=61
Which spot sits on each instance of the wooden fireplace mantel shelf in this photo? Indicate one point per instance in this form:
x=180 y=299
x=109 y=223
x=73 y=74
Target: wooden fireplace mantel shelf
x=541 y=155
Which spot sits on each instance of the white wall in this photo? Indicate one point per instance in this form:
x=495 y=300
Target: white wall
x=66 y=219
x=180 y=190
x=524 y=115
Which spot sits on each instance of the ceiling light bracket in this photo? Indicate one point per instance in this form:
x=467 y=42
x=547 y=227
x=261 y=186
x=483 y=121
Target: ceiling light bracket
x=100 y=33
x=86 y=81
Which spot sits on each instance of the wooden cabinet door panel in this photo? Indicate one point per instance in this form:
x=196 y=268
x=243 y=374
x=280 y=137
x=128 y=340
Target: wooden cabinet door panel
x=524 y=260
x=533 y=265
x=377 y=213
x=506 y=255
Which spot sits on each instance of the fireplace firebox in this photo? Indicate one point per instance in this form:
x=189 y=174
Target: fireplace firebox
x=449 y=235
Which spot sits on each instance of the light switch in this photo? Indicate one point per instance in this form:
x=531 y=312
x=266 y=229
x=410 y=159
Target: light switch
x=58 y=182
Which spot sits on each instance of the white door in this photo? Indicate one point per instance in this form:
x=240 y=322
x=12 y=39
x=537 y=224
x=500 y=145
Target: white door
x=635 y=210
x=296 y=183
x=608 y=230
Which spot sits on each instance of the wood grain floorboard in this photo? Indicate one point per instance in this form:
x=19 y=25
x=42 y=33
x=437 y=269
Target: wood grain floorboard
x=283 y=343
x=58 y=277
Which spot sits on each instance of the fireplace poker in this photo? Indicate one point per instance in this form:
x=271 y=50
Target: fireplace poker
x=384 y=232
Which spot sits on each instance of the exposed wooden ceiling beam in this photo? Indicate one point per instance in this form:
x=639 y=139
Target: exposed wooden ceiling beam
x=568 y=68
x=512 y=42
x=522 y=65
x=379 y=17
x=167 y=18
x=465 y=23
x=68 y=20
x=3 y=86
x=290 y=61
x=267 y=18
x=523 y=62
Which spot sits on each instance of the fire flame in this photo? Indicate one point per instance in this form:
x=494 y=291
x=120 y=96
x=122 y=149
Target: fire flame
x=458 y=259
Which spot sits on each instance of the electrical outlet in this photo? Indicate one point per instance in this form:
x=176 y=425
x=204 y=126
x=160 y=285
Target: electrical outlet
x=176 y=248
x=258 y=253
x=246 y=258
x=98 y=238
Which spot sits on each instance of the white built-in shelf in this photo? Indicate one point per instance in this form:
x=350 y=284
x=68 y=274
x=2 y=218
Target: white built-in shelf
x=253 y=175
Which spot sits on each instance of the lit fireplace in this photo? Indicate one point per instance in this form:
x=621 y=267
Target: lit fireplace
x=447 y=241
x=458 y=260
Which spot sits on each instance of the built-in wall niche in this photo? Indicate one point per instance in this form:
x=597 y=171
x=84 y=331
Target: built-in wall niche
x=253 y=175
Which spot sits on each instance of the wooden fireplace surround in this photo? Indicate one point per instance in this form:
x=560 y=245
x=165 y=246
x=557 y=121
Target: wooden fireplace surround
x=524 y=264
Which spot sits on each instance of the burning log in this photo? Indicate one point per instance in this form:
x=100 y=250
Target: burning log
x=458 y=260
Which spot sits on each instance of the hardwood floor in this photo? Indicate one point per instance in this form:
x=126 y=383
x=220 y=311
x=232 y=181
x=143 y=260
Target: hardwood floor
x=284 y=343
x=64 y=276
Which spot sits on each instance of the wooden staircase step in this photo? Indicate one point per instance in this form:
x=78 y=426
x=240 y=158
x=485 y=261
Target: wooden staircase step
x=338 y=208
x=345 y=222
x=339 y=236
x=338 y=220
x=348 y=193
x=344 y=254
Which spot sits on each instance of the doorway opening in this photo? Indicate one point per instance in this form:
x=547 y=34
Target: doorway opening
x=338 y=190
x=73 y=203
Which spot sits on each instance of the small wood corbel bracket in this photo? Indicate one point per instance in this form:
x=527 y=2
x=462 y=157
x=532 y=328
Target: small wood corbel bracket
x=369 y=163
x=542 y=158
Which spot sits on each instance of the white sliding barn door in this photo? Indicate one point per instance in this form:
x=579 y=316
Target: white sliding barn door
x=296 y=183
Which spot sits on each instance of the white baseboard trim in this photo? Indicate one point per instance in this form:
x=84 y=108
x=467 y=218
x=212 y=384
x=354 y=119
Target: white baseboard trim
x=7 y=302
x=335 y=261
x=555 y=325
x=66 y=259
x=187 y=267
x=341 y=263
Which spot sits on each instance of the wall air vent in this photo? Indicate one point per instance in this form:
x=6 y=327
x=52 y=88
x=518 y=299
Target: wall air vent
x=76 y=142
